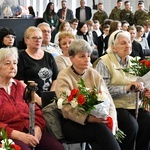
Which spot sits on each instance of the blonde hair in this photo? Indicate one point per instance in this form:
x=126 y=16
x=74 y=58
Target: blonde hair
x=29 y=31
x=62 y=25
x=65 y=34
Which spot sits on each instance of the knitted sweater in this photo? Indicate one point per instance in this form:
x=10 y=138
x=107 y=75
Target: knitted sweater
x=14 y=112
x=67 y=80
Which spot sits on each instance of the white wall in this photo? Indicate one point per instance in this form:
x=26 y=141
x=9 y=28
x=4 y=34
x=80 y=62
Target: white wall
x=73 y=4
x=40 y=5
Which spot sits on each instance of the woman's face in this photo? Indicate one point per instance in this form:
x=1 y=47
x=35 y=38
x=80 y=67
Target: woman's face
x=84 y=29
x=51 y=6
x=123 y=47
x=8 y=68
x=64 y=44
x=9 y=39
x=81 y=61
x=66 y=27
x=34 y=41
x=141 y=32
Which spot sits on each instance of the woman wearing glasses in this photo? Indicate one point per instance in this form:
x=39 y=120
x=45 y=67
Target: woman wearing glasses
x=7 y=37
x=36 y=64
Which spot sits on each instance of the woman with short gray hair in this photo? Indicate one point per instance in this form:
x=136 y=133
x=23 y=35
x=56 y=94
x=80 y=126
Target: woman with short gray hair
x=14 y=111
x=84 y=127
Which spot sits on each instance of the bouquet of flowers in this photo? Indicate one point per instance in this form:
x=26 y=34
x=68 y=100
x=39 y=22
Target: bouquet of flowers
x=142 y=69
x=7 y=144
x=93 y=102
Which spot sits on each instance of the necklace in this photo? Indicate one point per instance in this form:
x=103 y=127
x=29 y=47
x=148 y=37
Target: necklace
x=76 y=71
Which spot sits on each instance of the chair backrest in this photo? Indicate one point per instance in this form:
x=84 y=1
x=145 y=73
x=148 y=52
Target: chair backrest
x=146 y=53
x=47 y=97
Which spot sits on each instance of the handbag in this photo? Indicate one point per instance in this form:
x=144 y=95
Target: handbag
x=53 y=117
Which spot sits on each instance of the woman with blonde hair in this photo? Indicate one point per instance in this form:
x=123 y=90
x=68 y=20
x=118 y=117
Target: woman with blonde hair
x=63 y=61
x=64 y=26
x=36 y=64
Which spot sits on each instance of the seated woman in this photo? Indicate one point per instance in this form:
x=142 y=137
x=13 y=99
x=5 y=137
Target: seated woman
x=139 y=37
x=119 y=84
x=63 y=61
x=14 y=110
x=36 y=64
x=64 y=26
x=82 y=33
x=7 y=37
x=84 y=127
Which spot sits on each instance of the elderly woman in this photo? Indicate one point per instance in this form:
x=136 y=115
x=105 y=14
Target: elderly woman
x=36 y=64
x=63 y=61
x=119 y=84
x=84 y=127
x=14 y=111
x=7 y=37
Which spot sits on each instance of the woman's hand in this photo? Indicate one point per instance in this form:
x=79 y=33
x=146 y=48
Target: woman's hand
x=93 y=119
x=38 y=132
x=25 y=137
x=146 y=92
x=137 y=86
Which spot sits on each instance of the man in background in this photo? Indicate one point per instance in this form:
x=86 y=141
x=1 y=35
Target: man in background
x=115 y=13
x=83 y=13
x=127 y=14
x=46 y=44
x=65 y=14
x=100 y=15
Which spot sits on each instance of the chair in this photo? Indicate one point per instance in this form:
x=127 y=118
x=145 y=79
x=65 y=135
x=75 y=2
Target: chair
x=146 y=53
x=49 y=107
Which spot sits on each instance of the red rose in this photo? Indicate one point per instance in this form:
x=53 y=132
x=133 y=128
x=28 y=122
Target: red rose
x=110 y=123
x=74 y=92
x=143 y=61
x=81 y=99
x=147 y=64
x=70 y=98
x=15 y=147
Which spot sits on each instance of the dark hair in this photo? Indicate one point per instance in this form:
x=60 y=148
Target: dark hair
x=126 y=2
x=4 y=32
x=80 y=25
x=74 y=20
x=47 y=11
x=31 y=11
x=119 y=1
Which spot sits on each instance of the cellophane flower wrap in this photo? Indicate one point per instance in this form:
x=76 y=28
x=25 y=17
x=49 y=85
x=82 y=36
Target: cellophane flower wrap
x=7 y=144
x=141 y=69
x=92 y=101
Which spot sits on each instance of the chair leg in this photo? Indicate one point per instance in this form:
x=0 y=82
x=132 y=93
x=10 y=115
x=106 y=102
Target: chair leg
x=83 y=146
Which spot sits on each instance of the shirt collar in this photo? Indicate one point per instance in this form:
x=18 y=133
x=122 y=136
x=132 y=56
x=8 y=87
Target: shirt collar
x=10 y=83
x=120 y=60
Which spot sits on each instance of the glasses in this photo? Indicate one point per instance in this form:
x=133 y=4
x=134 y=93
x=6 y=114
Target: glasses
x=10 y=37
x=36 y=38
x=46 y=31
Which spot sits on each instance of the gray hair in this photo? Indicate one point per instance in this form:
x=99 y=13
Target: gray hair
x=79 y=46
x=7 y=52
x=113 y=39
x=43 y=24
